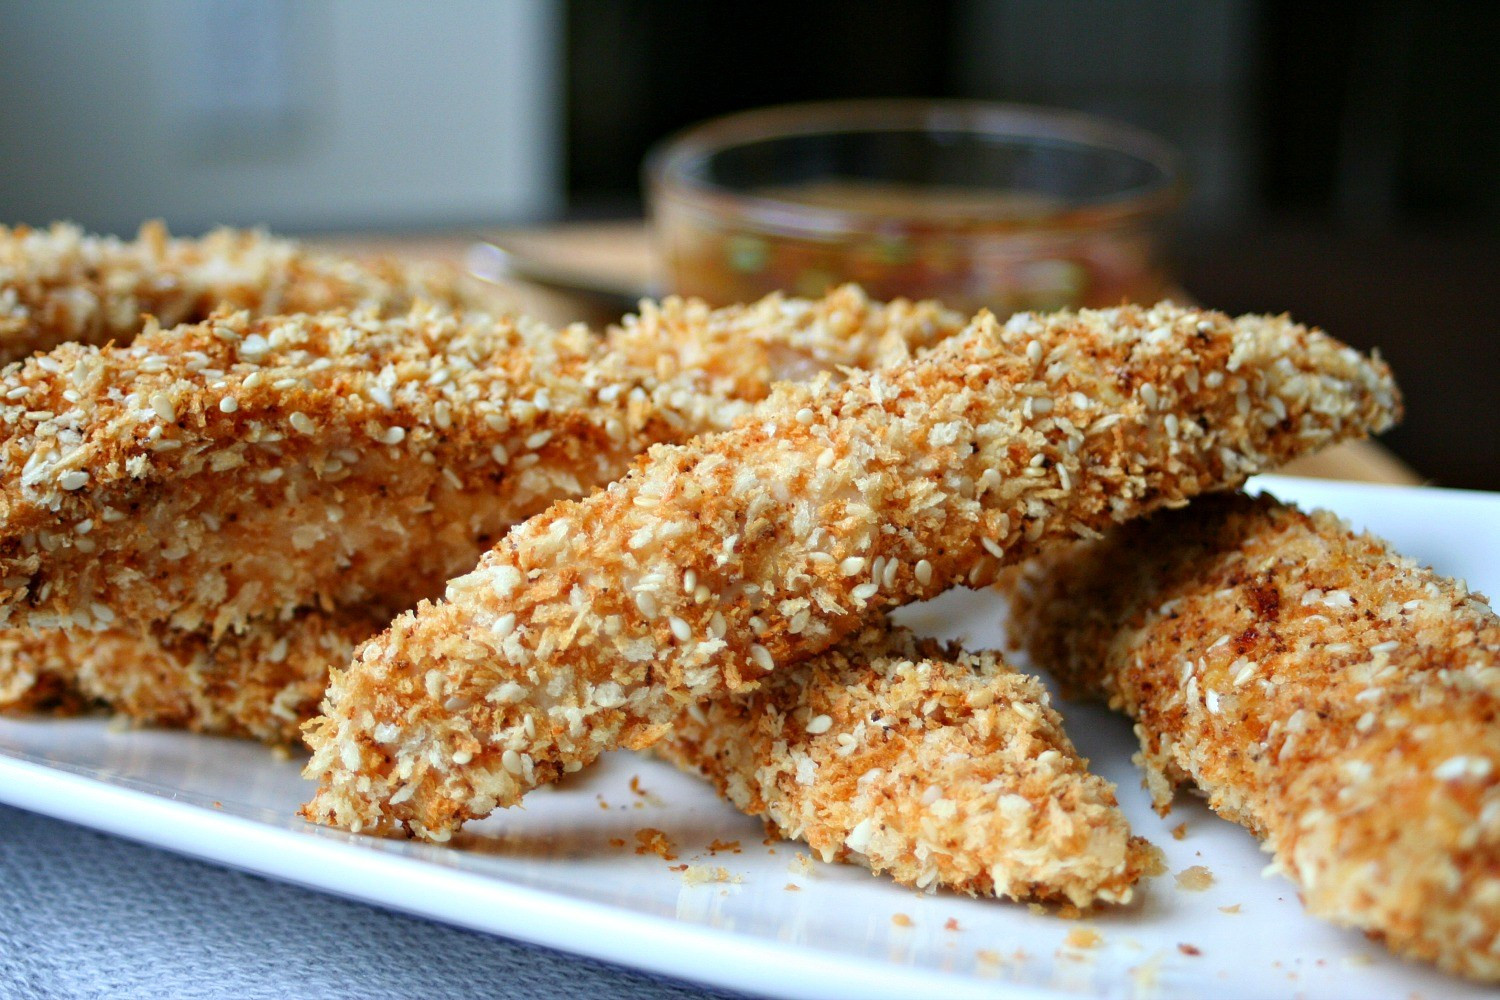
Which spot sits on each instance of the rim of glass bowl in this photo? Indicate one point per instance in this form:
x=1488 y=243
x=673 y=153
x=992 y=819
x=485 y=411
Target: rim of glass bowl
x=673 y=167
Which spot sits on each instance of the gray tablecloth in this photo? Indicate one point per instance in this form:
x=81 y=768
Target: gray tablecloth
x=87 y=915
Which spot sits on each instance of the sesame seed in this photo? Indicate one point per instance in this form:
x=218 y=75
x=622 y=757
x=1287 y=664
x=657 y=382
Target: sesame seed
x=301 y=423
x=73 y=479
x=923 y=572
x=161 y=405
x=511 y=761
x=761 y=657
x=852 y=565
x=228 y=404
x=819 y=724
x=679 y=628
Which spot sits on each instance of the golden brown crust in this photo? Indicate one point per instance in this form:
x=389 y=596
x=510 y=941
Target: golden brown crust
x=939 y=766
x=262 y=684
x=1329 y=694
x=739 y=352
x=590 y=625
x=241 y=468
x=60 y=285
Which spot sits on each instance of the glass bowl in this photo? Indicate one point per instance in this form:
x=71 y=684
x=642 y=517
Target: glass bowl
x=977 y=204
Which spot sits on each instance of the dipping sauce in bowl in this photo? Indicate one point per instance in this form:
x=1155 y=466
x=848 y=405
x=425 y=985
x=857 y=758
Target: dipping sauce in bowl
x=976 y=204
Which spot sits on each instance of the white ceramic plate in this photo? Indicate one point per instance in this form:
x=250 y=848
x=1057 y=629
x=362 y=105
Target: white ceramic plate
x=554 y=872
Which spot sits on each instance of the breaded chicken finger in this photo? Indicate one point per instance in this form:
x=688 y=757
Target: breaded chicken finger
x=208 y=475
x=60 y=284
x=1334 y=697
x=740 y=351
x=592 y=625
x=942 y=767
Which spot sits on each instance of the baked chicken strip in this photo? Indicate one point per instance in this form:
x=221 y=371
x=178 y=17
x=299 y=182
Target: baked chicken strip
x=592 y=625
x=1336 y=698
x=942 y=767
x=60 y=284
x=264 y=683
x=241 y=468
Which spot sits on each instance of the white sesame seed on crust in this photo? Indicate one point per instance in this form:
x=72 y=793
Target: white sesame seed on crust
x=60 y=285
x=1370 y=760
x=741 y=507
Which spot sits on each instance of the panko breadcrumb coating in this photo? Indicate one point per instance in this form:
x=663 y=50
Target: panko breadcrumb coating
x=1336 y=698
x=941 y=767
x=60 y=284
x=591 y=625
x=243 y=468
x=262 y=684
x=727 y=357
x=740 y=351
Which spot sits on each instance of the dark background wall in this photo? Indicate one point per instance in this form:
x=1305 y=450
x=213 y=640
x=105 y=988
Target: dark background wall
x=1345 y=158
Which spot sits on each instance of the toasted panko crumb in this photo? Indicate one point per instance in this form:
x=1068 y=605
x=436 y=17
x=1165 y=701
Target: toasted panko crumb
x=1195 y=878
x=901 y=920
x=1083 y=937
x=938 y=766
x=61 y=285
x=650 y=840
x=1333 y=696
x=703 y=874
x=590 y=625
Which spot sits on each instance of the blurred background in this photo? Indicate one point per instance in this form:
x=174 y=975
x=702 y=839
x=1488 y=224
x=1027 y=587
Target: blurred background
x=1345 y=159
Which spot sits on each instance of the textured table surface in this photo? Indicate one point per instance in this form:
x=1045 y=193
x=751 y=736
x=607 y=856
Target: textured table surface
x=85 y=915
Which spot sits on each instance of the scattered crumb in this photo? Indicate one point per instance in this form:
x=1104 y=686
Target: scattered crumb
x=678 y=868
x=281 y=752
x=1179 y=831
x=616 y=841
x=653 y=841
x=952 y=925
x=1068 y=911
x=901 y=920
x=1195 y=879
x=1230 y=909
x=1358 y=960
x=793 y=887
x=1145 y=975
x=117 y=724
x=602 y=803
x=768 y=842
x=1083 y=937
x=218 y=804
x=1037 y=909
x=701 y=874
x=732 y=846
x=651 y=797
x=988 y=957
x=1189 y=949
x=801 y=864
